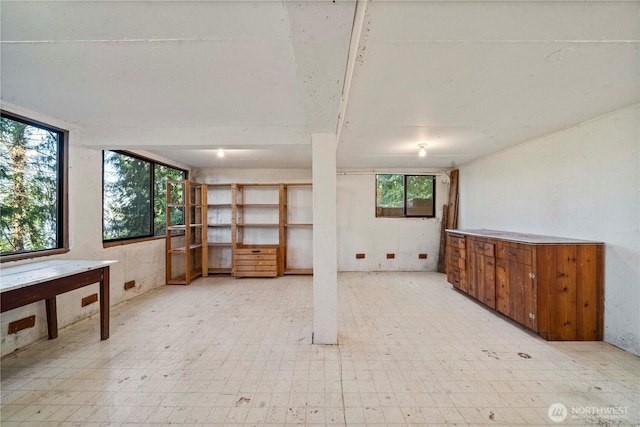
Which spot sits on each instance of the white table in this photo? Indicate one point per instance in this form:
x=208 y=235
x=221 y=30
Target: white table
x=44 y=280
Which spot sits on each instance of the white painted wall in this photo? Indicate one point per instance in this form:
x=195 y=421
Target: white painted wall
x=583 y=182
x=142 y=262
x=359 y=231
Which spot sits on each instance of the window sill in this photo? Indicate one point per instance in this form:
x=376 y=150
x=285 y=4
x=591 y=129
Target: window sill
x=131 y=241
x=29 y=255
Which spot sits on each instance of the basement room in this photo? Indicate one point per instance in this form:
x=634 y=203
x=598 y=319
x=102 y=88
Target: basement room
x=319 y=213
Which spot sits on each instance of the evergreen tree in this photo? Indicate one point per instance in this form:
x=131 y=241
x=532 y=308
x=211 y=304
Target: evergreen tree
x=28 y=187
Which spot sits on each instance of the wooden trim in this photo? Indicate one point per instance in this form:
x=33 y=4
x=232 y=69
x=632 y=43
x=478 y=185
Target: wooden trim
x=29 y=255
x=130 y=241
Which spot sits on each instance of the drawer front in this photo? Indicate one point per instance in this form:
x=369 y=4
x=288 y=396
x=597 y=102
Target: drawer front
x=256 y=257
x=255 y=251
x=458 y=252
x=486 y=249
x=457 y=242
x=256 y=267
x=250 y=261
x=514 y=253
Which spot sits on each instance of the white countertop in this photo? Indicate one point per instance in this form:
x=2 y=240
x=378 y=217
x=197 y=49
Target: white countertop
x=32 y=273
x=534 y=239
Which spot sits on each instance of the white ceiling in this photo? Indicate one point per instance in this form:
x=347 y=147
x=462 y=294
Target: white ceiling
x=181 y=79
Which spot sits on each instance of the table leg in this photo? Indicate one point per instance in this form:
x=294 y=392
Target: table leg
x=104 y=304
x=52 y=317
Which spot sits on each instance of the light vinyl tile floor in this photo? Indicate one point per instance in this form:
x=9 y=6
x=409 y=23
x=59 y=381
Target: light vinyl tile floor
x=225 y=351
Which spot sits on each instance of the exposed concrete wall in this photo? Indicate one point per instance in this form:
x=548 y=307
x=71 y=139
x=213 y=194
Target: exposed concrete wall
x=583 y=182
x=142 y=262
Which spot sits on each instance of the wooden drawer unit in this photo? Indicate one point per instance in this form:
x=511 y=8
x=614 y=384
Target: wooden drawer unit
x=552 y=285
x=457 y=262
x=255 y=261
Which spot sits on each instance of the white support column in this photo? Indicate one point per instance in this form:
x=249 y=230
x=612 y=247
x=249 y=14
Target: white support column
x=325 y=240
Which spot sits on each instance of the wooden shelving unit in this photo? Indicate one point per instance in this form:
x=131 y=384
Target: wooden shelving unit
x=255 y=212
x=186 y=238
x=225 y=218
x=219 y=247
x=289 y=224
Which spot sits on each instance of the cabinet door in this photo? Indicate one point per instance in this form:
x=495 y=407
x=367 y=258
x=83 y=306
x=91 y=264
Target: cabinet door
x=522 y=286
x=502 y=285
x=482 y=271
x=486 y=279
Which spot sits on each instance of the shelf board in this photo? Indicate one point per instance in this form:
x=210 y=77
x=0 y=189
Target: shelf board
x=219 y=205
x=182 y=280
x=301 y=271
x=298 y=225
x=219 y=185
x=183 y=249
x=182 y=227
x=258 y=225
x=299 y=184
x=218 y=225
x=219 y=244
x=219 y=270
x=258 y=205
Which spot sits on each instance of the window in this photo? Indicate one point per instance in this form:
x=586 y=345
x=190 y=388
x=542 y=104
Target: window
x=32 y=188
x=134 y=196
x=399 y=195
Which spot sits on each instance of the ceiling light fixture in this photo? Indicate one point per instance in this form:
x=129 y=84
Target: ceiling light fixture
x=220 y=152
x=423 y=151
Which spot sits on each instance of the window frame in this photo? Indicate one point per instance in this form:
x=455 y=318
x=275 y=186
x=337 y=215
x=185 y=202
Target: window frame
x=152 y=163
x=62 y=214
x=404 y=190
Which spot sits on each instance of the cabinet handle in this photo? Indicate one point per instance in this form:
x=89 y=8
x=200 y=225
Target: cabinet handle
x=256 y=251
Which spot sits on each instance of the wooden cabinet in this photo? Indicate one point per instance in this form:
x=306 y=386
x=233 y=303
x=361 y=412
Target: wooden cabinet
x=256 y=261
x=255 y=223
x=553 y=286
x=185 y=233
x=457 y=262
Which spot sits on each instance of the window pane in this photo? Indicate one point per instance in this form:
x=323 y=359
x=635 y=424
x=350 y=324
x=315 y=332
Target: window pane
x=127 y=197
x=420 y=195
x=162 y=174
x=390 y=195
x=29 y=188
